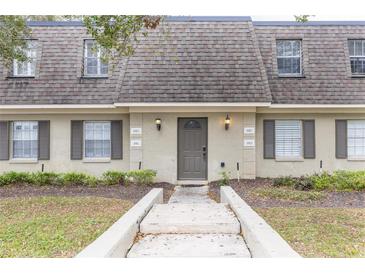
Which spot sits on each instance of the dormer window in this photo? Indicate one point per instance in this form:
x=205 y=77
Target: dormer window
x=357 y=56
x=289 y=57
x=93 y=63
x=27 y=68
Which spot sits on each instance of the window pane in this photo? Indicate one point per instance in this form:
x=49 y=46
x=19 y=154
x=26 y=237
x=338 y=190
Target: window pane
x=25 y=139
x=280 y=48
x=289 y=56
x=27 y=68
x=296 y=48
x=97 y=139
x=356 y=138
x=288 y=138
x=358 y=47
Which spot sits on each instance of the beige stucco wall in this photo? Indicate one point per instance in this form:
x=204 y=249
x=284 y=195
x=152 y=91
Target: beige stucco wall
x=160 y=147
x=60 y=127
x=325 y=147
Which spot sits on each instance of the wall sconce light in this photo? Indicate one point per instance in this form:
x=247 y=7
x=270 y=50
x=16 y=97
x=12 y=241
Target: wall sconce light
x=158 y=123
x=227 y=122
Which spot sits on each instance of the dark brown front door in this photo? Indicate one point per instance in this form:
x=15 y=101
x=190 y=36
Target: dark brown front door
x=192 y=149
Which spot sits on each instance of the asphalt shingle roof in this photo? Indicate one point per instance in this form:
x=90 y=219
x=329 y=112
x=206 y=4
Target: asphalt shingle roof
x=195 y=59
x=326 y=64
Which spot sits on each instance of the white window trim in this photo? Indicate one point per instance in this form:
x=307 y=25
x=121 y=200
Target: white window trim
x=290 y=158
x=353 y=157
x=20 y=160
x=288 y=57
x=29 y=63
x=98 y=62
x=355 y=56
x=95 y=159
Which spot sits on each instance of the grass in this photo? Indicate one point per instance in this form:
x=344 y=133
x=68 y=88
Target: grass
x=54 y=226
x=288 y=194
x=320 y=232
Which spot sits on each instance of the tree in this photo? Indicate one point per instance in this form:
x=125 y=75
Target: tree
x=116 y=34
x=302 y=18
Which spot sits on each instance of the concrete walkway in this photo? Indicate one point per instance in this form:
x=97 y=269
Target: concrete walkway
x=190 y=225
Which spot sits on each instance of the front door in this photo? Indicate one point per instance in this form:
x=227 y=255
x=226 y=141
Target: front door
x=192 y=148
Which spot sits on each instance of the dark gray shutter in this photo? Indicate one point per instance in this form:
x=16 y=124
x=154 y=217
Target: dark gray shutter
x=43 y=140
x=116 y=139
x=76 y=140
x=269 y=139
x=4 y=140
x=341 y=139
x=309 y=139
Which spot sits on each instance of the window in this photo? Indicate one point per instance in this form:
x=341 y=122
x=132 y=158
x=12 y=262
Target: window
x=289 y=57
x=356 y=138
x=97 y=139
x=93 y=64
x=25 y=140
x=357 y=56
x=288 y=139
x=27 y=68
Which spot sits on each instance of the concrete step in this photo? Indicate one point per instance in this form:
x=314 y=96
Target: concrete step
x=190 y=218
x=190 y=245
x=192 y=182
x=191 y=195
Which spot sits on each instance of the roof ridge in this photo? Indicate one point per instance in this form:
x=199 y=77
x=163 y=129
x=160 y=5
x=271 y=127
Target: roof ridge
x=309 y=24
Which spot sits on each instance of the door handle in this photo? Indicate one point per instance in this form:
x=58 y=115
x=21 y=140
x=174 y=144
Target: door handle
x=204 y=148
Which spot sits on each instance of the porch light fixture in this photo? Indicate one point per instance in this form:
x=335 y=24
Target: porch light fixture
x=158 y=123
x=227 y=122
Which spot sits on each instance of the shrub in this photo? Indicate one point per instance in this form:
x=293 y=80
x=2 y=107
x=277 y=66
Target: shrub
x=224 y=178
x=284 y=181
x=112 y=177
x=140 y=176
x=303 y=183
x=14 y=177
x=78 y=178
x=349 y=180
x=321 y=181
x=45 y=178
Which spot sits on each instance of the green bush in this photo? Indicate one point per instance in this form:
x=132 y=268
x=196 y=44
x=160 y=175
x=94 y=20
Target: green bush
x=14 y=177
x=45 y=178
x=112 y=177
x=321 y=181
x=78 y=178
x=146 y=176
x=284 y=181
x=341 y=180
x=224 y=178
x=303 y=183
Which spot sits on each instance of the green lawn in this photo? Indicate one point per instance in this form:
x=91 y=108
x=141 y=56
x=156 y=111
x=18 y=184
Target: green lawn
x=54 y=226
x=320 y=232
x=288 y=194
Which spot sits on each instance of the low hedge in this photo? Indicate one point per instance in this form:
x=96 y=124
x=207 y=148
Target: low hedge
x=341 y=180
x=110 y=177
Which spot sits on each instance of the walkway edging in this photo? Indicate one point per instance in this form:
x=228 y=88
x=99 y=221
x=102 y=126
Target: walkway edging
x=262 y=240
x=117 y=240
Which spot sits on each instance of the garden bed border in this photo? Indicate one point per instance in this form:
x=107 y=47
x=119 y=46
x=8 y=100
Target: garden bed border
x=262 y=240
x=116 y=241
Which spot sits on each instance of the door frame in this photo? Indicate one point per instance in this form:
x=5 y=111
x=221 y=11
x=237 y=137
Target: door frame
x=177 y=147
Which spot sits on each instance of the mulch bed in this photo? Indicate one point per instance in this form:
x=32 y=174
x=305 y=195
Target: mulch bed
x=132 y=192
x=332 y=199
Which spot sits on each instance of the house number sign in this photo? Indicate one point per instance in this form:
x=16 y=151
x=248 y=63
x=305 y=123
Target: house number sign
x=249 y=143
x=136 y=143
x=136 y=130
x=249 y=130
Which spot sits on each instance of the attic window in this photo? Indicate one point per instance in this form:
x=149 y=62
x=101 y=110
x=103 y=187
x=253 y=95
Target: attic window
x=357 y=56
x=27 y=68
x=289 y=57
x=93 y=61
